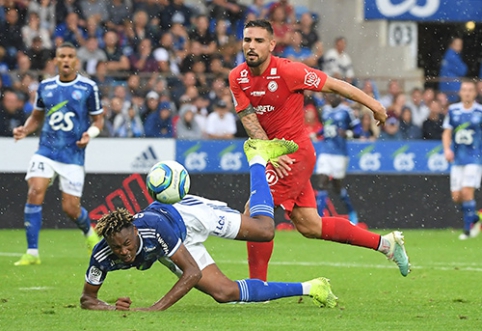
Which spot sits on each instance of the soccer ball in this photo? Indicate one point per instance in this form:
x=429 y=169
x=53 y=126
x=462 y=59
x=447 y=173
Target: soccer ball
x=168 y=182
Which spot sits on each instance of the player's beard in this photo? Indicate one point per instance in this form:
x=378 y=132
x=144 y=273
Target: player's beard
x=256 y=63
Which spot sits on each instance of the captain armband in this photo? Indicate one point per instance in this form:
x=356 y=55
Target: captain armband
x=248 y=110
x=93 y=131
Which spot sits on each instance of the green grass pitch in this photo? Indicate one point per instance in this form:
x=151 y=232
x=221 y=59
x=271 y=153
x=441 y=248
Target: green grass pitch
x=443 y=292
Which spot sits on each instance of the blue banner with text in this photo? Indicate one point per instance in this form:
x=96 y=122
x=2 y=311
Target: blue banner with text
x=424 y=10
x=397 y=157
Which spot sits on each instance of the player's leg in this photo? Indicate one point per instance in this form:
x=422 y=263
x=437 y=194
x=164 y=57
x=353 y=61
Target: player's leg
x=322 y=174
x=223 y=290
x=71 y=205
x=258 y=152
x=470 y=181
x=338 y=229
x=343 y=194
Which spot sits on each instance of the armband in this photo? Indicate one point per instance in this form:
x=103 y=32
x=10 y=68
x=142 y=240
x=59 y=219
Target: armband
x=93 y=131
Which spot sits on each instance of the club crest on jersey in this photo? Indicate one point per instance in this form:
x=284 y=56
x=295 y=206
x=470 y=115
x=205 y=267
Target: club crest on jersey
x=272 y=86
x=76 y=95
x=243 y=77
x=312 y=79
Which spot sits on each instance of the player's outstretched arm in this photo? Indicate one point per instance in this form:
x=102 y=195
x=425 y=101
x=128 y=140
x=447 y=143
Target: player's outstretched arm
x=89 y=299
x=31 y=125
x=333 y=85
x=191 y=274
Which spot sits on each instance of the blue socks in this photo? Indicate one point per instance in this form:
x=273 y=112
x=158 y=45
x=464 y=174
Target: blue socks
x=321 y=197
x=261 y=200
x=469 y=215
x=83 y=222
x=255 y=290
x=346 y=200
x=33 y=223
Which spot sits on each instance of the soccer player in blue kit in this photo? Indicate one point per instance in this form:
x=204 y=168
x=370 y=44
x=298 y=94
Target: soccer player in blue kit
x=462 y=143
x=339 y=124
x=174 y=236
x=69 y=107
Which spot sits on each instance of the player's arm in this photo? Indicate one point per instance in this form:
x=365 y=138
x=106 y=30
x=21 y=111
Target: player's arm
x=251 y=123
x=89 y=299
x=31 y=125
x=333 y=85
x=93 y=131
x=447 y=143
x=191 y=274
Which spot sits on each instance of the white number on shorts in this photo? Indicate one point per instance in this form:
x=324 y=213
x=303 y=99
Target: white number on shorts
x=39 y=166
x=61 y=121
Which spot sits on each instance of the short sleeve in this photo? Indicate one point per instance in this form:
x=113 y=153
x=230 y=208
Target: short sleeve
x=95 y=274
x=240 y=99
x=39 y=103
x=93 y=101
x=446 y=124
x=299 y=76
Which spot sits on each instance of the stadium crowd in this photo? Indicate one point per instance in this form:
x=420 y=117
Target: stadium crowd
x=162 y=66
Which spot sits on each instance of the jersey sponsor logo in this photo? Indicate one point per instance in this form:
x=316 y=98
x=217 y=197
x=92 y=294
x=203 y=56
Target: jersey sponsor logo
x=220 y=226
x=94 y=274
x=273 y=77
x=243 y=79
x=80 y=87
x=50 y=86
x=258 y=93
x=312 y=79
x=56 y=107
x=76 y=95
x=262 y=109
x=61 y=121
x=388 y=8
x=271 y=177
x=163 y=244
x=49 y=95
x=272 y=86
x=273 y=71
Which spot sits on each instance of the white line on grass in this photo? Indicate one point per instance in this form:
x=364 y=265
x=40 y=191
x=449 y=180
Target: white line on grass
x=35 y=288
x=10 y=254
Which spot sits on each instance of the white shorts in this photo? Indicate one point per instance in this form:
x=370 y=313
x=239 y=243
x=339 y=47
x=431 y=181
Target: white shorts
x=71 y=176
x=209 y=218
x=331 y=165
x=465 y=176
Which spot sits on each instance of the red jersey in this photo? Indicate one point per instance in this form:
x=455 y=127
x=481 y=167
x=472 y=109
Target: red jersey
x=277 y=95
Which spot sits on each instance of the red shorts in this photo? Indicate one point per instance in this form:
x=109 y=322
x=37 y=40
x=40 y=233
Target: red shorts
x=295 y=189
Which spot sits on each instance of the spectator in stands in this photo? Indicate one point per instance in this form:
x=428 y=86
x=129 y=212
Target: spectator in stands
x=151 y=105
x=166 y=56
x=96 y=9
x=218 y=90
x=221 y=35
x=221 y=123
x=142 y=61
x=46 y=12
x=186 y=126
x=199 y=70
x=201 y=34
x=419 y=109
x=393 y=90
x=115 y=108
x=259 y=9
x=66 y=7
x=297 y=52
x=479 y=88
x=128 y=124
x=89 y=55
x=23 y=68
x=154 y=9
x=230 y=10
x=398 y=103
x=367 y=124
x=432 y=127
x=70 y=31
x=104 y=82
x=178 y=12
x=217 y=68
x=117 y=12
x=391 y=130
x=50 y=69
x=142 y=29
x=94 y=29
x=38 y=54
x=159 y=124
x=116 y=61
x=337 y=63
x=286 y=8
x=452 y=70
x=30 y=102
x=180 y=39
x=312 y=122
x=34 y=29
x=309 y=34
x=281 y=29
x=409 y=130
x=11 y=114
x=26 y=80
x=370 y=88
x=10 y=37
x=428 y=95
x=444 y=102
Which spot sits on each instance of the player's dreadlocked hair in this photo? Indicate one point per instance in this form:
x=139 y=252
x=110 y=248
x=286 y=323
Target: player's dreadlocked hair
x=113 y=222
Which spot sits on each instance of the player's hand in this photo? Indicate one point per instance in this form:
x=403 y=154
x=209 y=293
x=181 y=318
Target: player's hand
x=84 y=140
x=449 y=155
x=19 y=133
x=380 y=116
x=123 y=303
x=282 y=165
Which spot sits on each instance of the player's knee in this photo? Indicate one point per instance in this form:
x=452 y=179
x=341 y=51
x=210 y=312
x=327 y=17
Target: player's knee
x=226 y=293
x=266 y=227
x=35 y=194
x=71 y=210
x=308 y=232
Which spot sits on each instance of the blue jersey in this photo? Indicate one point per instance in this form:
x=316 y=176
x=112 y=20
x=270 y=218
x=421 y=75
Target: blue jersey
x=466 y=126
x=67 y=108
x=161 y=232
x=335 y=120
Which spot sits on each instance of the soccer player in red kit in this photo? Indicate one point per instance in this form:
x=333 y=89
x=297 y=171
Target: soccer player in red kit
x=268 y=96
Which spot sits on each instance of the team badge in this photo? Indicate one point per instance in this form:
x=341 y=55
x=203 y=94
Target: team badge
x=244 y=73
x=76 y=95
x=312 y=79
x=272 y=86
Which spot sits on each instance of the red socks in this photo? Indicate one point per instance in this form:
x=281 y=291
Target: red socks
x=259 y=254
x=341 y=230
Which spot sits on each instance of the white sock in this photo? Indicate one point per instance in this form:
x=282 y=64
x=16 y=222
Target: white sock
x=306 y=288
x=32 y=251
x=258 y=160
x=384 y=246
